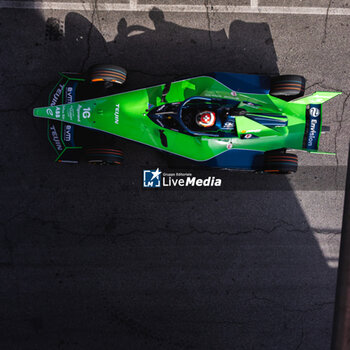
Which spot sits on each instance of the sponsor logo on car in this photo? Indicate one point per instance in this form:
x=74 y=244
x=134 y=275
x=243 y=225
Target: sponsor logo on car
x=116 y=114
x=251 y=104
x=255 y=130
x=49 y=112
x=57 y=112
x=228 y=125
x=314 y=126
x=55 y=138
x=67 y=135
x=71 y=112
x=78 y=112
x=69 y=94
x=313 y=132
x=57 y=95
x=314 y=112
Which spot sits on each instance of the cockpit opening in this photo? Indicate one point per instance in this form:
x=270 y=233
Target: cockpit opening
x=199 y=116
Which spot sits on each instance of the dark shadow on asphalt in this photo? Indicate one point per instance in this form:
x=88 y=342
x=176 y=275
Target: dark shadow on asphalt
x=90 y=260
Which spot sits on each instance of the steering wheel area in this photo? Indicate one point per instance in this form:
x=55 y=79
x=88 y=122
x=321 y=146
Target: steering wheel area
x=198 y=116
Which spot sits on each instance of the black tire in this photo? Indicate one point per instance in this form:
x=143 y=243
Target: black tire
x=287 y=87
x=104 y=155
x=280 y=163
x=107 y=73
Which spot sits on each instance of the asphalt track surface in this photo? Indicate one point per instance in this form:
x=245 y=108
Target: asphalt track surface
x=91 y=260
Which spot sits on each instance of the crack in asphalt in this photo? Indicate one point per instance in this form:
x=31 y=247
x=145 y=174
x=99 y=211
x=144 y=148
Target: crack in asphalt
x=224 y=322
x=88 y=40
x=337 y=132
x=9 y=110
x=253 y=230
x=101 y=230
x=326 y=22
x=96 y=231
x=34 y=85
x=314 y=307
x=140 y=330
x=14 y=216
x=327 y=87
x=209 y=7
x=302 y=336
x=30 y=105
x=113 y=237
x=101 y=31
x=314 y=84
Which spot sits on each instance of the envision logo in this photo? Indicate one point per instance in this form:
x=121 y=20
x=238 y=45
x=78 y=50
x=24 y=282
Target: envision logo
x=314 y=112
x=313 y=131
x=314 y=126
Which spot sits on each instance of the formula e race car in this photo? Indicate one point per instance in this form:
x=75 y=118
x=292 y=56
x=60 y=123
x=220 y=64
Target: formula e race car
x=221 y=120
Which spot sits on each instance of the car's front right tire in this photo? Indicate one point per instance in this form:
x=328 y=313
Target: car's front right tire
x=287 y=87
x=280 y=163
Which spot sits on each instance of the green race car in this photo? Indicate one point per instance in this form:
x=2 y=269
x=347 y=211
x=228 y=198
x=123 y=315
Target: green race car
x=221 y=120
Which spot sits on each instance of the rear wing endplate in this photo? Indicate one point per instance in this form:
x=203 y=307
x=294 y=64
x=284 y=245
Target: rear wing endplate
x=313 y=118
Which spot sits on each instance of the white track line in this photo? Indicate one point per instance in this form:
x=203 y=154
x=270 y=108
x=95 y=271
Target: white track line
x=254 y=3
x=133 y=6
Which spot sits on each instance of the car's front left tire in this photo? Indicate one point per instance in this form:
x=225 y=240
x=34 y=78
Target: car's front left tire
x=106 y=73
x=104 y=155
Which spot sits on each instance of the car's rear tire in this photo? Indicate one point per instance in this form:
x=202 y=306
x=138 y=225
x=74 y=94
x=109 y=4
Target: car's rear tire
x=280 y=163
x=107 y=73
x=287 y=87
x=104 y=155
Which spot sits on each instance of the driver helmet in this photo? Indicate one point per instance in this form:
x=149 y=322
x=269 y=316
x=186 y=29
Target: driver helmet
x=205 y=119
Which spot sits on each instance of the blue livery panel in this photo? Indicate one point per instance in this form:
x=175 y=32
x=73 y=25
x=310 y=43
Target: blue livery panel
x=238 y=159
x=69 y=97
x=268 y=121
x=246 y=83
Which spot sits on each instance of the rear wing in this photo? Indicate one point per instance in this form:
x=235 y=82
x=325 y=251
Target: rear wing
x=318 y=97
x=313 y=118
